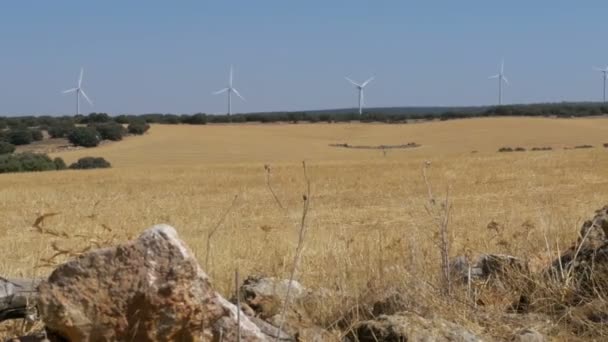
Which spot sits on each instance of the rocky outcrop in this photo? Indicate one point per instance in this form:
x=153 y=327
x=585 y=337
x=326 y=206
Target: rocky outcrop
x=408 y=326
x=585 y=263
x=150 y=289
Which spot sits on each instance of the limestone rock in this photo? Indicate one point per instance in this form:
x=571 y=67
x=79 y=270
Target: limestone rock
x=149 y=289
x=528 y=335
x=407 y=326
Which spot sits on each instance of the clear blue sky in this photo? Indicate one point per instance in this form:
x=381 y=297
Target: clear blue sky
x=168 y=56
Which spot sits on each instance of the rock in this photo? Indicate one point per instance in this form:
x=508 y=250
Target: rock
x=16 y=298
x=407 y=326
x=149 y=289
x=528 y=335
x=485 y=266
x=586 y=261
x=265 y=295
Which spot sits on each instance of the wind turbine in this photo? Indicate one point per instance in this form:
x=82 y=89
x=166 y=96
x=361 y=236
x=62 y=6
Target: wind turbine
x=230 y=89
x=605 y=72
x=360 y=87
x=501 y=77
x=78 y=90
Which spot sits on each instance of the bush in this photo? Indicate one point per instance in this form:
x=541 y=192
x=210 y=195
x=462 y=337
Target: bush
x=27 y=162
x=90 y=163
x=59 y=164
x=60 y=131
x=139 y=127
x=110 y=131
x=37 y=134
x=6 y=148
x=20 y=136
x=84 y=136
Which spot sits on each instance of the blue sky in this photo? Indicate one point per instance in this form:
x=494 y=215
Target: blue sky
x=168 y=56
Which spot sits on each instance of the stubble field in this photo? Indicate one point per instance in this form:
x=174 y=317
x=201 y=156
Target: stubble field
x=367 y=227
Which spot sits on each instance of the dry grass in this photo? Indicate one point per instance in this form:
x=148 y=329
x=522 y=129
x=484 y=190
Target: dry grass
x=367 y=224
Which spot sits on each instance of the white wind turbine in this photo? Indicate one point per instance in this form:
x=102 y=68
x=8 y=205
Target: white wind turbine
x=78 y=90
x=605 y=74
x=360 y=87
x=230 y=89
x=501 y=77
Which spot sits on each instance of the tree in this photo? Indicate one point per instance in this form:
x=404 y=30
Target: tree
x=60 y=130
x=37 y=134
x=6 y=148
x=84 y=136
x=138 y=127
x=20 y=136
x=90 y=163
x=110 y=131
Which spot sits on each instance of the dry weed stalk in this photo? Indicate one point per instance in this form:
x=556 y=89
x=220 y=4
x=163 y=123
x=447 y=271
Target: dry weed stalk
x=215 y=229
x=269 y=186
x=440 y=213
x=238 y=304
x=300 y=246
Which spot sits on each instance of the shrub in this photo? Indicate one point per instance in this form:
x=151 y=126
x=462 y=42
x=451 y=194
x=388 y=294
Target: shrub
x=37 y=134
x=505 y=149
x=6 y=148
x=583 y=146
x=27 y=162
x=60 y=131
x=20 y=136
x=110 y=131
x=84 y=136
x=520 y=149
x=606 y=145
x=90 y=163
x=138 y=127
x=59 y=164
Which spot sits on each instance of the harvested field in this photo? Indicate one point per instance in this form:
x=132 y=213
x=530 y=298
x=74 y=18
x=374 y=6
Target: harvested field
x=368 y=229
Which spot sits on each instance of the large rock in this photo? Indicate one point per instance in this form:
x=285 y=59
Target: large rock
x=407 y=326
x=150 y=289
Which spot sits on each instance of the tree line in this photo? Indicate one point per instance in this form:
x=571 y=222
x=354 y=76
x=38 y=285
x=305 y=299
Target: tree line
x=58 y=124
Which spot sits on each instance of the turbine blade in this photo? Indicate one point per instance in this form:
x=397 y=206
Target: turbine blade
x=502 y=66
x=366 y=82
x=220 y=91
x=495 y=76
x=353 y=82
x=237 y=94
x=505 y=79
x=69 y=90
x=86 y=97
x=80 y=78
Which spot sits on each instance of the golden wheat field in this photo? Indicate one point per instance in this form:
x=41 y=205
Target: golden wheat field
x=367 y=224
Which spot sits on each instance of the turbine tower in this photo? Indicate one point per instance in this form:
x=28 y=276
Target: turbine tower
x=230 y=89
x=605 y=74
x=360 y=87
x=78 y=90
x=501 y=77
